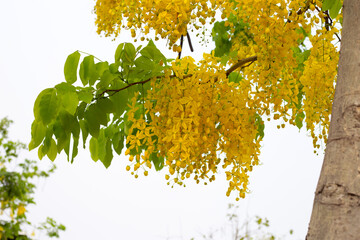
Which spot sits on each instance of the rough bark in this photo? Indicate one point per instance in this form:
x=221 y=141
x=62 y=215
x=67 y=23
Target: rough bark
x=336 y=210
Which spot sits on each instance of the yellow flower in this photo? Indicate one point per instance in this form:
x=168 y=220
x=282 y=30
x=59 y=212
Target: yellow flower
x=21 y=210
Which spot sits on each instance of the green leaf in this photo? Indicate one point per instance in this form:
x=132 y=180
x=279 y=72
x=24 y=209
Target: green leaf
x=70 y=102
x=300 y=96
x=52 y=150
x=119 y=99
x=131 y=91
x=38 y=131
x=299 y=120
x=144 y=64
x=118 y=142
x=105 y=105
x=80 y=111
x=303 y=32
x=333 y=6
x=65 y=87
x=84 y=130
x=86 y=94
x=108 y=156
x=106 y=79
x=101 y=140
x=75 y=149
x=129 y=53
x=94 y=127
x=46 y=106
x=157 y=161
x=235 y=77
x=335 y=9
x=110 y=131
x=100 y=114
x=303 y=56
x=327 y=4
x=94 y=149
x=118 y=52
x=114 y=67
x=47 y=141
x=67 y=147
x=152 y=52
x=70 y=68
x=104 y=149
x=62 y=136
x=40 y=152
x=70 y=124
x=127 y=126
x=88 y=74
x=221 y=39
x=94 y=117
x=101 y=67
x=68 y=97
x=260 y=126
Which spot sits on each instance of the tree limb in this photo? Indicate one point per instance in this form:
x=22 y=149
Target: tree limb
x=240 y=63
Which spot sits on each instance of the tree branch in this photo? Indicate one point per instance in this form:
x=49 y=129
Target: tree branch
x=240 y=63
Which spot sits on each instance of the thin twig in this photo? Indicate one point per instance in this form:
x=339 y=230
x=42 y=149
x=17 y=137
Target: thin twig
x=189 y=41
x=338 y=37
x=90 y=55
x=181 y=44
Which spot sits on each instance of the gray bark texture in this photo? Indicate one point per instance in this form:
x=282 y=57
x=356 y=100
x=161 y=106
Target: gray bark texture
x=336 y=210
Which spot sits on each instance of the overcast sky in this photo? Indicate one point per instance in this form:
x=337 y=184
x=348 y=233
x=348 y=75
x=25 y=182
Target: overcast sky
x=95 y=203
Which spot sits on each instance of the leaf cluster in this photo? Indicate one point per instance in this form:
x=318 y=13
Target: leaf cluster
x=98 y=107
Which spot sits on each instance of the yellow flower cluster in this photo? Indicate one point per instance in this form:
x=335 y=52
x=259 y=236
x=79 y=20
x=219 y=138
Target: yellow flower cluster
x=169 y=18
x=319 y=85
x=200 y=121
x=277 y=27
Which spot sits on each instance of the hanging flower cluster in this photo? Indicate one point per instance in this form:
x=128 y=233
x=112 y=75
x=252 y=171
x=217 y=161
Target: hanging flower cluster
x=319 y=85
x=200 y=121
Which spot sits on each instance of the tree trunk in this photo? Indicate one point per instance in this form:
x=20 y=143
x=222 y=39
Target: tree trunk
x=336 y=210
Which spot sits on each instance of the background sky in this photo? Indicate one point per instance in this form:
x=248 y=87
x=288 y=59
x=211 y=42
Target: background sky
x=98 y=203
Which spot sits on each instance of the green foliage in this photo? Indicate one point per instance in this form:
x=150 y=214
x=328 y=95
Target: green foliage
x=16 y=183
x=333 y=6
x=235 y=77
x=224 y=35
x=52 y=228
x=221 y=38
x=260 y=125
x=98 y=107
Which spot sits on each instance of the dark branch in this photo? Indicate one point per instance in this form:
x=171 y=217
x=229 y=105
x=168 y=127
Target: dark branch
x=181 y=44
x=241 y=63
x=237 y=65
x=328 y=22
x=189 y=41
x=338 y=37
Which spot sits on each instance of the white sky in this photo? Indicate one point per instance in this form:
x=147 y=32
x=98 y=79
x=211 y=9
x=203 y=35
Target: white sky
x=95 y=203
